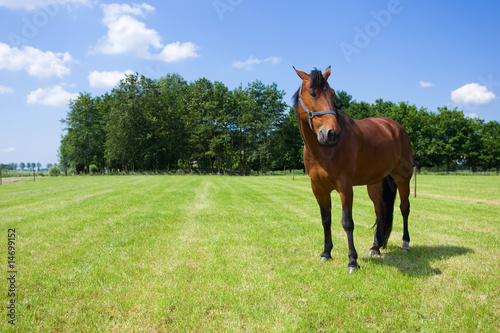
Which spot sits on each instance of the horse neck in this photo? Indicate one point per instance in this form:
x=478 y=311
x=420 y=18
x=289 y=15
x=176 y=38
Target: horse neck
x=309 y=137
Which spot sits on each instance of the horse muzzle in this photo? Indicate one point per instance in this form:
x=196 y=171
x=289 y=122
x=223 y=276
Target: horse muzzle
x=328 y=137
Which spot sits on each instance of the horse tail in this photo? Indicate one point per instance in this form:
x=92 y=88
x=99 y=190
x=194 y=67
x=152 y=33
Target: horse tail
x=389 y=189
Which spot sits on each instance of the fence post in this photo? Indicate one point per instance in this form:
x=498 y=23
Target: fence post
x=1 y=177
x=415 y=180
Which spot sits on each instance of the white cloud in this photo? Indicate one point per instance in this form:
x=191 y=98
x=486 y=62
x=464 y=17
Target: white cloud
x=273 y=60
x=34 y=4
x=425 y=84
x=247 y=64
x=252 y=61
x=51 y=96
x=114 y=11
x=472 y=115
x=35 y=62
x=106 y=79
x=8 y=150
x=126 y=34
x=178 y=51
x=5 y=90
x=472 y=94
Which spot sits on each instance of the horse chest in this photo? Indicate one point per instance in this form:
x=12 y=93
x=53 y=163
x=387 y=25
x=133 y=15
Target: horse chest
x=325 y=174
x=322 y=178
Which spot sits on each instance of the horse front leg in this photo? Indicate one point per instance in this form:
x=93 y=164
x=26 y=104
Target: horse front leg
x=325 y=206
x=326 y=219
x=346 y=195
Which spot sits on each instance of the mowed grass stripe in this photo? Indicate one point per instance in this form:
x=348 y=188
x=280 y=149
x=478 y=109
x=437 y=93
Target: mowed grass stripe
x=240 y=253
x=193 y=253
x=94 y=237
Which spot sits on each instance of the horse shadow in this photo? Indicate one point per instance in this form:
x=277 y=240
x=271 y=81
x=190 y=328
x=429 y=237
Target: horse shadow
x=422 y=261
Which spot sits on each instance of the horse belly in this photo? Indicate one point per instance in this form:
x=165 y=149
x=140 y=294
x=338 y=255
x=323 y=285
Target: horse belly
x=373 y=168
x=377 y=156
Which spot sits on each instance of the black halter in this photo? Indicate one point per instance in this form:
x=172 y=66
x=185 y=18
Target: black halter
x=311 y=114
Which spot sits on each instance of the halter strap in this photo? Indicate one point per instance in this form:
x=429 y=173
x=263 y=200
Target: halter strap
x=311 y=114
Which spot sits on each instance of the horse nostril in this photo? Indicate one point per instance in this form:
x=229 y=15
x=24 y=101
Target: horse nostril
x=331 y=135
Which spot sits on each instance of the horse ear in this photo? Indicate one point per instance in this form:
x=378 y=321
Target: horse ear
x=327 y=72
x=301 y=74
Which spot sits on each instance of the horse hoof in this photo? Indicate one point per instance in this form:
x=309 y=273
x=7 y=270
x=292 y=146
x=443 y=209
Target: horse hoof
x=406 y=246
x=324 y=259
x=373 y=252
x=351 y=269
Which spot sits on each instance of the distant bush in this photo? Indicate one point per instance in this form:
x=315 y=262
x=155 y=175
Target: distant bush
x=54 y=171
x=93 y=169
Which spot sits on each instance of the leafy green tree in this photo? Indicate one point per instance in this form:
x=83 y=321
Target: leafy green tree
x=240 y=107
x=267 y=113
x=386 y=109
x=154 y=144
x=342 y=100
x=129 y=128
x=219 y=119
x=360 y=110
x=172 y=130
x=287 y=144
x=206 y=121
x=452 y=132
x=83 y=143
x=473 y=143
x=490 y=154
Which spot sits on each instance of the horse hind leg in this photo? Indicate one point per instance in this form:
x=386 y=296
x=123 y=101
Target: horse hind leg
x=382 y=194
x=375 y=194
x=404 y=194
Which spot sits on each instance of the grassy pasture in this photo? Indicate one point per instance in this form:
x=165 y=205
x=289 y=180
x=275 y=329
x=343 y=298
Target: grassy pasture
x=208 y=253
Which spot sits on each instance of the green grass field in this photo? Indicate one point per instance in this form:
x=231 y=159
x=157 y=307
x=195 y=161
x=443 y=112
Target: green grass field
x=208 y=253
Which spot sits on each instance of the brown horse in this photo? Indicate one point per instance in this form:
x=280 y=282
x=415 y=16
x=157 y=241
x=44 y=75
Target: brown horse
x=340 y=152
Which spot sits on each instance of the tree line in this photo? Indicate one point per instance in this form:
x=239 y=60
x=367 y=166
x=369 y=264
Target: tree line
x=165 y=124
x=168 y=124
x=29 y=165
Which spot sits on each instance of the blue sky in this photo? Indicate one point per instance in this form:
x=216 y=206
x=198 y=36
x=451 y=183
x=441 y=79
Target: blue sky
x=427 y=53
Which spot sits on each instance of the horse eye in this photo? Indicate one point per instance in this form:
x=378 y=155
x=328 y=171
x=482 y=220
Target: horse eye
x=313 y=94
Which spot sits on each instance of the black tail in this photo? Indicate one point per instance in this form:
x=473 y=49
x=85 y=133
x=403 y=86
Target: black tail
x=389 y=189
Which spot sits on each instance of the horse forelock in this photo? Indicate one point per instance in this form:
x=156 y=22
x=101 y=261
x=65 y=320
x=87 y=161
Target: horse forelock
x=320 y=83
x=317 y=80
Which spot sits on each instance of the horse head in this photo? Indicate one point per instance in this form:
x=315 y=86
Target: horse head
x=314 y=103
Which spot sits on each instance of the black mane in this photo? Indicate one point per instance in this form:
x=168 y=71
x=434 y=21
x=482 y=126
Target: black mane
x=317 y=80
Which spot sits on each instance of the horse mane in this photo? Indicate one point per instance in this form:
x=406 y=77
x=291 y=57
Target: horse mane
x=317 y=81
